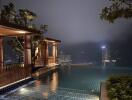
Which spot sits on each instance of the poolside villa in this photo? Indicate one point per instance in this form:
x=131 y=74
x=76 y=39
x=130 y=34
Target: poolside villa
x=14 y=73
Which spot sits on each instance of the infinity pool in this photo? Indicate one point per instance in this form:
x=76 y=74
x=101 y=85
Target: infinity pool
x=69 y=83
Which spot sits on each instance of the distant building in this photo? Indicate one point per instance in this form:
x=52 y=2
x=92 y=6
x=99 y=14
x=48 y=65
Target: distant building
x=121 y=51
x=15 y=72
x=105 y=55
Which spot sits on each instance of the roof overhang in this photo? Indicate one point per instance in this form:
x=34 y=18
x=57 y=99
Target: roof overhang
x=51 y=40
x=9 y=29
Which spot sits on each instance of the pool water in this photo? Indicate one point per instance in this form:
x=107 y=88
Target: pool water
x=69 y=83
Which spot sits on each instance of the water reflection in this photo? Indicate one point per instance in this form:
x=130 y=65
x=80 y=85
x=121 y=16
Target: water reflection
x=45 y=94
x=54 y=82
x=38 y=84
x=66 y=69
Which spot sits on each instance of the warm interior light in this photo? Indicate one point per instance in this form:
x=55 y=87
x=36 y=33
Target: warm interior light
x=36 y=52
x=50 y=41
x=22 y=32
x=52 y=64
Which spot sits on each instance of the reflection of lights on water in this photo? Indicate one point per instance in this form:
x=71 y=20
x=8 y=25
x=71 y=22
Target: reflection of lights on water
x=93 y=98
x=97 y=98
x=45 y=94
x=54 y=82
x=37 y=83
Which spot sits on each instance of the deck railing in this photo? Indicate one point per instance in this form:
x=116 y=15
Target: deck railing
x=46 y=61
x=51 y=60
x=13 y=73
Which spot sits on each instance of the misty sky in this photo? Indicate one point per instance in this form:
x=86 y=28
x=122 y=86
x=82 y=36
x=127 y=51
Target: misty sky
x=75 y=21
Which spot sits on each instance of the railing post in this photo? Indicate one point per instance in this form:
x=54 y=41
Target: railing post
x=27 y=54
x=1 y=53
x=46 y=52
x=54 y=53
x=42 y=49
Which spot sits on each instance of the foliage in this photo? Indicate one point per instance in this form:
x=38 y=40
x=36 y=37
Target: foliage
x=117 y=9
x=23 y=18
x=17 y=44
x=120 y=88
x=27 y=16
x=36 y=41
x=44 y=28
x=8 y=13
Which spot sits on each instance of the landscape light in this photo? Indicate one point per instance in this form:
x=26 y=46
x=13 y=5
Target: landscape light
x=23 y=90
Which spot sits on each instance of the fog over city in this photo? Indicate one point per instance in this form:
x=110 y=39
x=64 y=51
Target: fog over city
x=77 y=23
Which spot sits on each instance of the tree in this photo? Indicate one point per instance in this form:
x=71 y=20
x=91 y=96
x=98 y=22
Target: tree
x=117 y=9
x=8 y=12
x=44 y=28
x=27 y=16
x=23 y=18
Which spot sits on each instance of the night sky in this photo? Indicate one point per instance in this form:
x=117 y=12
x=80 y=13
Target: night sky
x=77 y=24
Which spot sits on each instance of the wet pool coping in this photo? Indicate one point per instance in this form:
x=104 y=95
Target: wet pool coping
x=44 y=70
x=13 y=86
x=103 y=91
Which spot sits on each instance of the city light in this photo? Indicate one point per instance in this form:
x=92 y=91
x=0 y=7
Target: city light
x=103 y=47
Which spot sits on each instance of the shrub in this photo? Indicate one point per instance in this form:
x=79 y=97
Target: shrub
x=120 y=87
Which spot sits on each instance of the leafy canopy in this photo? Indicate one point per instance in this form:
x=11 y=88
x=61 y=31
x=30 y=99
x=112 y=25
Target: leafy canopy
x=117 y=9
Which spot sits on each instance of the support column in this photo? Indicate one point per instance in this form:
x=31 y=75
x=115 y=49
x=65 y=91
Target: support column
x=1 y=54
x=46 y=53
x=27 y=51
x=42 y=49
x=54 y=52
